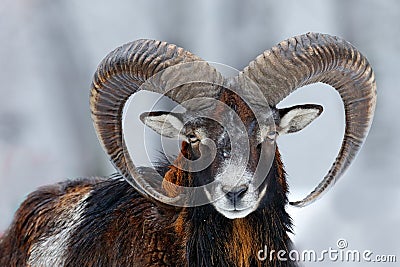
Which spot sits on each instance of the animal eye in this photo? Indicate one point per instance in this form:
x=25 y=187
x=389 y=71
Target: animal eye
x=193 y=138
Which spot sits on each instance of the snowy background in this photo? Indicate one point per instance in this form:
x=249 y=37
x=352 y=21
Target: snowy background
x=50 y=50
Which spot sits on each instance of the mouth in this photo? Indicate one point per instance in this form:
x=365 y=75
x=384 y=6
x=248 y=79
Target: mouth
x=235 y=213
x=232 y=211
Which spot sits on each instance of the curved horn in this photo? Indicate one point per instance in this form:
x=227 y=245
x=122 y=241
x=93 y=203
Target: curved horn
x=313 y=58
x=121 y=74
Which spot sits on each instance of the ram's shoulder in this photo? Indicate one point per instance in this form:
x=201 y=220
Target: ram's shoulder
x=43 y=212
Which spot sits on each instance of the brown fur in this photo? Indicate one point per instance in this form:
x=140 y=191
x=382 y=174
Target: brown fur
x=281 y=172
x=175 y=175
x=241 y=247
x=238 y=105
x=36 y=216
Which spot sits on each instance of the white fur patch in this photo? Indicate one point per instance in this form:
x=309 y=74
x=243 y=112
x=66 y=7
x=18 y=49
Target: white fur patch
x=166 y=125
x=297 y=119
x=50 y=251
x=233 y=175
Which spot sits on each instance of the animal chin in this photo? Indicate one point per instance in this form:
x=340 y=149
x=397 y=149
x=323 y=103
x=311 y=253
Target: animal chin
x=236 y=210
x=233 y=213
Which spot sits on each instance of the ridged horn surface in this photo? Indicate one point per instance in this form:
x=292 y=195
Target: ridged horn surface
x=313 y=58
x=121 y=74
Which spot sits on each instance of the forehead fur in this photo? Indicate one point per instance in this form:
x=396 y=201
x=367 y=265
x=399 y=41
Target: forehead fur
x=237 y=104
x=230 y=102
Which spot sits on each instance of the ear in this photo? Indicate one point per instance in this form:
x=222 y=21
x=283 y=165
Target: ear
x=296 y=118
x=165 y=123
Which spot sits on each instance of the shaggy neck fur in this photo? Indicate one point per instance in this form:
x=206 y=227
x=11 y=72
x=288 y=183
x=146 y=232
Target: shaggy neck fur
x=210 y=239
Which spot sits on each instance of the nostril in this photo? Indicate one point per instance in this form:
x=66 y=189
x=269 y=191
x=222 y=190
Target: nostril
x=241 y=191
x=235 y=193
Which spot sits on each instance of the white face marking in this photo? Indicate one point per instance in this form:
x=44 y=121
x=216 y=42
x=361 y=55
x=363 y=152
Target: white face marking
x=50 y=250
x=233 y=176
